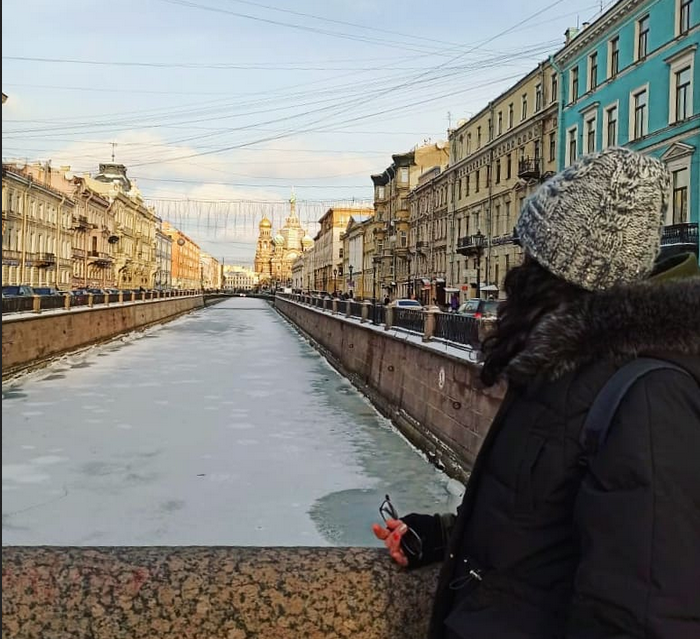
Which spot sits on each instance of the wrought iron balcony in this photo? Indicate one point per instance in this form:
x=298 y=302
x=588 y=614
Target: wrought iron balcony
x=80 y=223
x=98 y=258
x=530 y=168
x=11 y=258
x=471 y=244
x=681 y=234
x=499 y=240
x=44 y=260
x=78 y=253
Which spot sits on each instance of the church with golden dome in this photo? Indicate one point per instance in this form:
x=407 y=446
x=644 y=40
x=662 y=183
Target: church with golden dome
x=274 y=256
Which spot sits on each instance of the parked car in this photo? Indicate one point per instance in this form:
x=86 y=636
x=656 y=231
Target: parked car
x=479 y=308
x=17 y=291
x=47 y=291
x=405 y=303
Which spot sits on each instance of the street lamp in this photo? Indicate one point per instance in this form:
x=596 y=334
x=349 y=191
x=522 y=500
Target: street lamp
x=335 y=275
x=479 y=245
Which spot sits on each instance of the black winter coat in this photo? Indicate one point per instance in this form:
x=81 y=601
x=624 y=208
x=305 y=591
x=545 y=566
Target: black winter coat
x=610 y=550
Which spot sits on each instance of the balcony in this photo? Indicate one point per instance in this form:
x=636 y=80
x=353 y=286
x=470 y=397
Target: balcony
x=78 y=253
x=500 y=240
x=80 y=223
x=11 y=258
x=471 y=244
x=44 y=260
x=530 y=168
x=98 y=258
x=681 y=235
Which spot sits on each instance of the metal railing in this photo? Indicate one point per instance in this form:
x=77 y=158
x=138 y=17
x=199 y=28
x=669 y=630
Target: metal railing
x=409 y=319
x=356 y=309
x=452 y=327
x=686 y=234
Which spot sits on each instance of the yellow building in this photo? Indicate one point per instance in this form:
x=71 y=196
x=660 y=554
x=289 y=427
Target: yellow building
x=391 y=227
x=134 y=236
x=239 y=278
x=357 y=270
x=37 y=230
x=186 y=260
x=212 y=275
x=94 y=228
x=497 y=158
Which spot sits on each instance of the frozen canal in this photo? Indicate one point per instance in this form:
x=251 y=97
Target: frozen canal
x=223 y=427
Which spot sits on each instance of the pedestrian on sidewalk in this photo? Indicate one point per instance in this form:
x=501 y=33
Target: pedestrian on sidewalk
x=573 y=526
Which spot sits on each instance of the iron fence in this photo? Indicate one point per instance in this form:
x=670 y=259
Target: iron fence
x=409 y=319
x=356 y=309
x=457 y=328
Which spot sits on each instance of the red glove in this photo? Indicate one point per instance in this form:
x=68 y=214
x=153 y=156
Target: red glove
x=391 y=536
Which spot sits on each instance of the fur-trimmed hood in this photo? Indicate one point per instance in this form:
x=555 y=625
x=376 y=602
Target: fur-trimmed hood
x=648 y=318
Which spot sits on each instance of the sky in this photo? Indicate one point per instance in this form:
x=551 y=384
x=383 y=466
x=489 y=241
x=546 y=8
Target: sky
x=219 y=108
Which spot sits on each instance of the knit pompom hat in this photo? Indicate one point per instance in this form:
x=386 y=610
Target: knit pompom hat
x=598 y=222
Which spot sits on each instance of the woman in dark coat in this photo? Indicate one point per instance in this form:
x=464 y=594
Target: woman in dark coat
x=552 y=541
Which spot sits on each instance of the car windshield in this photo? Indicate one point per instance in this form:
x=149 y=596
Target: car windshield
x=408 y=303
x=10 y=290
x=470 y=306
x=490 y=308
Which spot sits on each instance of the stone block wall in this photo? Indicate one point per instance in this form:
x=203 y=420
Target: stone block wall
x=29 y=340
x=434 y=398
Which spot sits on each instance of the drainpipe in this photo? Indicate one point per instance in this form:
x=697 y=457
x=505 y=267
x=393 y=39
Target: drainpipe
x=560 y=110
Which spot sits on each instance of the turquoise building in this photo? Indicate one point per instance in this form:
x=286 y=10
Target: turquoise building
x=631 y=78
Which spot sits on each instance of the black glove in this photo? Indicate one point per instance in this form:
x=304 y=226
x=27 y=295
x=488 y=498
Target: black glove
x=429 y=529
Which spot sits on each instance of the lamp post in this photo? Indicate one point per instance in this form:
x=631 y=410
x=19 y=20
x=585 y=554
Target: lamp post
x=335 y=275
x=350 y=284
x=479 y=244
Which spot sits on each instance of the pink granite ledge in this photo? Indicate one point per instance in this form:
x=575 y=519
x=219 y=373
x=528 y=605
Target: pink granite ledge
x=211 y=593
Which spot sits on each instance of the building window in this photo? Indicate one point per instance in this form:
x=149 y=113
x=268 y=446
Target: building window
x=403 y=174
x=640 y=113
x=538 y=97
x=684 y=17
x=642 y=38
x=554 y=88
x=683 y=94
x=552 y=146
x=500 y=123
x=614 y=57
x=611 y=126
x=498 y=171
x=466 y=185
x=510 y=115
x=681 y=184
x=590 y=134
x=592 y=71
x=490 y=129
x=573 y=92
x=571 y=150
x=459 y=189
x=476 y=181
x=478 y=137
x=469 y=143
x=523 y=115
x=380 y=192
x=508 y=167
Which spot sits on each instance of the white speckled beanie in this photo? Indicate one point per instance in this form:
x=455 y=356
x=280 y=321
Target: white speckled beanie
x=598 y=222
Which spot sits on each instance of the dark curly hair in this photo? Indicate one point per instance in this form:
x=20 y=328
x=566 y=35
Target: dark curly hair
x=532 y=292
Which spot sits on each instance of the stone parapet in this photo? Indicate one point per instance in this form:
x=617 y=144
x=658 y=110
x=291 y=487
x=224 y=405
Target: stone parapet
x=211 y=593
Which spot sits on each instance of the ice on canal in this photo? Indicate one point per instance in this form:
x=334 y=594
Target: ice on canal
x=223 y=427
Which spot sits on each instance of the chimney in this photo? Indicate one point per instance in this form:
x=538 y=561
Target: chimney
x=570 y=34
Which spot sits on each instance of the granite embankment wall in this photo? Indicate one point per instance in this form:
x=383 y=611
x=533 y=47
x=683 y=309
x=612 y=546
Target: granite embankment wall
x=29 y=340
x=432 y=395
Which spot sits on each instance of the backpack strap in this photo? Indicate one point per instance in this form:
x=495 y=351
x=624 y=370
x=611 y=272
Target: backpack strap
x=602 y=411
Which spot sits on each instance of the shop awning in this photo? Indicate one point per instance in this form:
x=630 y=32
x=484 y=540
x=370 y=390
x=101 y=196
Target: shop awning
x=449 y=289
x=489 y=287
x=440 y=280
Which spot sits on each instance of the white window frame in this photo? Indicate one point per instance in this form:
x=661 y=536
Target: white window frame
x=673 y=166
x=571 y=96
x=637 y=33
x=677 y=20
x=606 y=141
x=609 y=73
x=403 y=175
x=632 y=134
x=683 y=58
x=523 y=107
x=590 y=116
x=589 y=68
x=574 y=130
